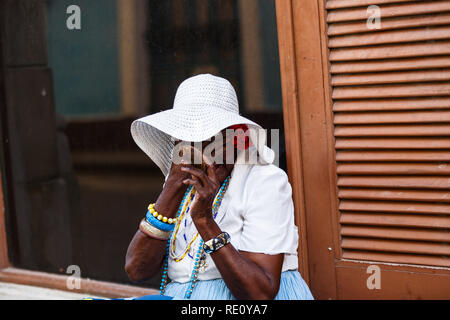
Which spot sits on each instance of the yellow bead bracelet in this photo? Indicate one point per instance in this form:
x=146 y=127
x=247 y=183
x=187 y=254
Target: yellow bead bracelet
x=160 y=217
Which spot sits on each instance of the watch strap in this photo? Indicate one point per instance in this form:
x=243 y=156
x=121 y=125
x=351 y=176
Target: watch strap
x=216 y=243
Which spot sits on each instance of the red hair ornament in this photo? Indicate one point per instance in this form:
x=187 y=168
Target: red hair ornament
x=241 y=141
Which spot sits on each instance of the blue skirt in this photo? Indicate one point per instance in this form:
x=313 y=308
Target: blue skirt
x=292 y=287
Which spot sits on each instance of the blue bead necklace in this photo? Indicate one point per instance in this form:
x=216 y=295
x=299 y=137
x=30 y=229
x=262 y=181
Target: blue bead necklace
x=200 y=257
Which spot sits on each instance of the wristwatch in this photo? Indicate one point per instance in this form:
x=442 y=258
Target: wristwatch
x=216 y=243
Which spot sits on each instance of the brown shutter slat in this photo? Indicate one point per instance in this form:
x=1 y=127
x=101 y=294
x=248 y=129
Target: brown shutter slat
x=391 y=116
x=391 y=77
x=390 y=65
x=336 y=4
x=414 y=182
x=396 y=246
x=394 y=168
x=395 y=233
x=393 y=143
x=395 y=36
x=393 y=194
x=393 y=104
x=395 y=10
x=343 y=28
x=388 y=155
x=392 y=130
x=394 y=207
x=392 y=91
x=391 y=51
x=397 y=258
x=395 y=220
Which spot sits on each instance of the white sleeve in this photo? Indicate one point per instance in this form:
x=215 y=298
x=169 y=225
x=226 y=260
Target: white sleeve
x=269 y=225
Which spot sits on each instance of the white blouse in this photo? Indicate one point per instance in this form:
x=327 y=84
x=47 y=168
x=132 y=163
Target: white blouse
x=257 y=212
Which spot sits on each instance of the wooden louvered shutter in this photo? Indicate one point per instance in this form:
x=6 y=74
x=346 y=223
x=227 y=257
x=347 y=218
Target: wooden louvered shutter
x=384 y=125
x=391 y=104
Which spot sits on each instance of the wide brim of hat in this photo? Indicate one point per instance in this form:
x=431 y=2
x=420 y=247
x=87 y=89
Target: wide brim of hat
x=154 y=133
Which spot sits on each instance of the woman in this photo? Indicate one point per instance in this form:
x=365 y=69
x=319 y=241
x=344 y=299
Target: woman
x=226 y=232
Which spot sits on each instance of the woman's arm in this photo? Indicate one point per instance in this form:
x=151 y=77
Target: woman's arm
x=247 y=275
x=145 y=255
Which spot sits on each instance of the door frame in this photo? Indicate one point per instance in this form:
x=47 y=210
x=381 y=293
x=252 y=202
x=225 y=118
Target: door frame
x=306 y=94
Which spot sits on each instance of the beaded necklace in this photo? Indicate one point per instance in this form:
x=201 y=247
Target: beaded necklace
x=180 y=257
x=200 y=257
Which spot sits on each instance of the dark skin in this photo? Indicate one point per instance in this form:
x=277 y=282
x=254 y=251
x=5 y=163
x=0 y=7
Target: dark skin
x=248 y=275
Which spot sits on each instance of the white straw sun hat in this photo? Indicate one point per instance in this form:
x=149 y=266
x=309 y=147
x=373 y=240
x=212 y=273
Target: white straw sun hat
x=204 y=105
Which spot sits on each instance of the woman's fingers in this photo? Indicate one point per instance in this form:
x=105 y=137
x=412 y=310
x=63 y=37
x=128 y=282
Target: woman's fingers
x=197 y=173
x=211 y=172
x=195 y=183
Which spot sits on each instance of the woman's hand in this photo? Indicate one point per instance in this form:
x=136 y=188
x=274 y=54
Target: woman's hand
x=176 y=177
x=207 y=185
x=170 y=198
